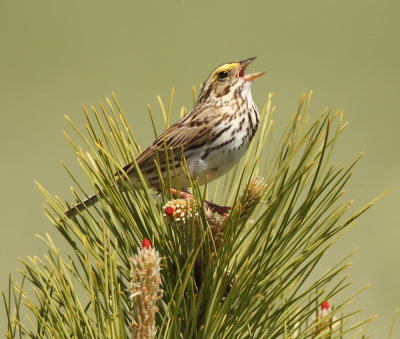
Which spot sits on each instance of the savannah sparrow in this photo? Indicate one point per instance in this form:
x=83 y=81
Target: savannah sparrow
x=211 y=138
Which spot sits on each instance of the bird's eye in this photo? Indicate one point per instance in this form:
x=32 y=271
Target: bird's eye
x=222 y=75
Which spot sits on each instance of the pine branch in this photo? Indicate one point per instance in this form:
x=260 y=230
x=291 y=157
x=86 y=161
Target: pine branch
x=250 y=275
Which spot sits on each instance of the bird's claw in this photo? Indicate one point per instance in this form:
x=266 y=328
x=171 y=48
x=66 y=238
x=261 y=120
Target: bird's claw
x=223 y=211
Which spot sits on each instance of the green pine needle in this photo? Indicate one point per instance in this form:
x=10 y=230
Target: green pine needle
x=249 y=276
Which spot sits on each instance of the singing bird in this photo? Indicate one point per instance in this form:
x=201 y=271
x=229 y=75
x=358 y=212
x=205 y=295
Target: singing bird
x=211 y=138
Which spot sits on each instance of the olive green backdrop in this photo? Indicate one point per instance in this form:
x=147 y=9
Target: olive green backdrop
x=57 y=56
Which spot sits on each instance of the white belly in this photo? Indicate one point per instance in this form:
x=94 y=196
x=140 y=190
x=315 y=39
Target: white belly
x=218 y=162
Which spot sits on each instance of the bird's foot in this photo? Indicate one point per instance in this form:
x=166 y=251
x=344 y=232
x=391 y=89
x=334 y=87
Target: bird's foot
x=181 y=194
x=223 y=211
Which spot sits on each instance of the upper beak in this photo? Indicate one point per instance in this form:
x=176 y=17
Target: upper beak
x=248 y=77
x=246 y=62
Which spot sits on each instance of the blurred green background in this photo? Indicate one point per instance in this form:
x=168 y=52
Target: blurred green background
x=57 y=56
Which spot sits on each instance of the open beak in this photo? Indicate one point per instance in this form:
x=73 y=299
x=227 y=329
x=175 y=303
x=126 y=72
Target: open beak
x=248 y=77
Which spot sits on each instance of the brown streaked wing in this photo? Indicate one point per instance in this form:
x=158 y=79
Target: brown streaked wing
x=190 y=131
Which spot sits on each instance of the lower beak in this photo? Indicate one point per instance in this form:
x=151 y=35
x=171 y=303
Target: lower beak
x=253 y=76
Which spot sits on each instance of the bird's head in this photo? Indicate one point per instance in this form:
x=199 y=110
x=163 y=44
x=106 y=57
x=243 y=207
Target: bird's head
x=226 y=80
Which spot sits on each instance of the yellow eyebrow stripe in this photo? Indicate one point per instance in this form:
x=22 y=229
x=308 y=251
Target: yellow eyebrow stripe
x=226 y=67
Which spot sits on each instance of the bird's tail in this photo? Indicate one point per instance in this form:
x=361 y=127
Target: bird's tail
x=84 y=204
